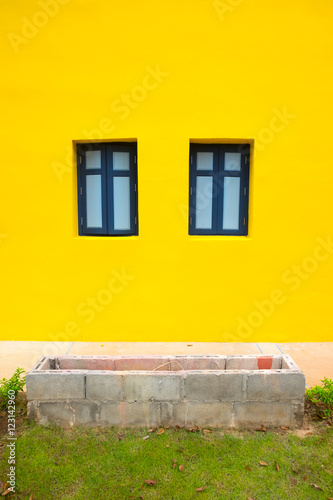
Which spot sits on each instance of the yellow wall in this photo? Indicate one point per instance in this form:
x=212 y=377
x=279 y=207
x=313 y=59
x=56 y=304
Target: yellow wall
x=226 y=70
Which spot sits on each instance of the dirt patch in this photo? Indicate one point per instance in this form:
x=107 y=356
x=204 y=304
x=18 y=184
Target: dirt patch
x=3 y=424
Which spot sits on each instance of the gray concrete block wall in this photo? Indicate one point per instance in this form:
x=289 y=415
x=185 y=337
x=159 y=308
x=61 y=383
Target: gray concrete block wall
x=209 y=397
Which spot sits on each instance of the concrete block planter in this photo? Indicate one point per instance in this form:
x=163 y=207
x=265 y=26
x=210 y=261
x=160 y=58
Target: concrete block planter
x=223 y=391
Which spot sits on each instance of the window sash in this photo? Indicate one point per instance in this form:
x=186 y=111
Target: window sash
x=220 y=177
x=108 y=181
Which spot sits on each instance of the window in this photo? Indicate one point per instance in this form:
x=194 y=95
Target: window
x=107 y=189
x=219 y=189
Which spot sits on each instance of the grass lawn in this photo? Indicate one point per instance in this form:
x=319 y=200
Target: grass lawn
x=53 y=463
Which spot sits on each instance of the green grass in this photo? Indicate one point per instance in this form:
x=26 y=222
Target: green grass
x=114 y=464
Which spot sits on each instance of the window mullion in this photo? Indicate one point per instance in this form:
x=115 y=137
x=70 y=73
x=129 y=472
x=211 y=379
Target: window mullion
x=109 y=189
x=220 y=189
x=216 y=191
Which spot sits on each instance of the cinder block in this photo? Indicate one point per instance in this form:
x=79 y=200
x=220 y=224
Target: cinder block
x=42 y=362
x=299 y=413
x=167 y=414
x=110 y=415
x=67 y=414
x=104 y=386
x=44 y=365
x=263 y=413
x=54 y=413
x=45 y=386
x=140 y=414
x=241 y=363
x=144 y=363
x=152 y=387
x=218 y=386
x=289 y=364
x=31 y=410
x=198 y=363
x=273 y=386
x=248 y=362
x=85 y=413
x=217 y=414
x=269 y=362
x=86 y=363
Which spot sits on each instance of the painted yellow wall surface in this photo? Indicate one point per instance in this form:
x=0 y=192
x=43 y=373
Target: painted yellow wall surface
x=163 y=74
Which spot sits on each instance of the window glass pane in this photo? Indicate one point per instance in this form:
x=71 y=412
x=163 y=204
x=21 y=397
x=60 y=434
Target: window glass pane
x=122 y=204
x=93 y=159
x=204 y=202
x=121 y=161
x=205 y=161
x=232 y=161
x=231 y=202
x=94 y=200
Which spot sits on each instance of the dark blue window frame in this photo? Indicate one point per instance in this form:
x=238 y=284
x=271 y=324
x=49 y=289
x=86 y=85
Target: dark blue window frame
x=219 y=176
x=107 y=179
